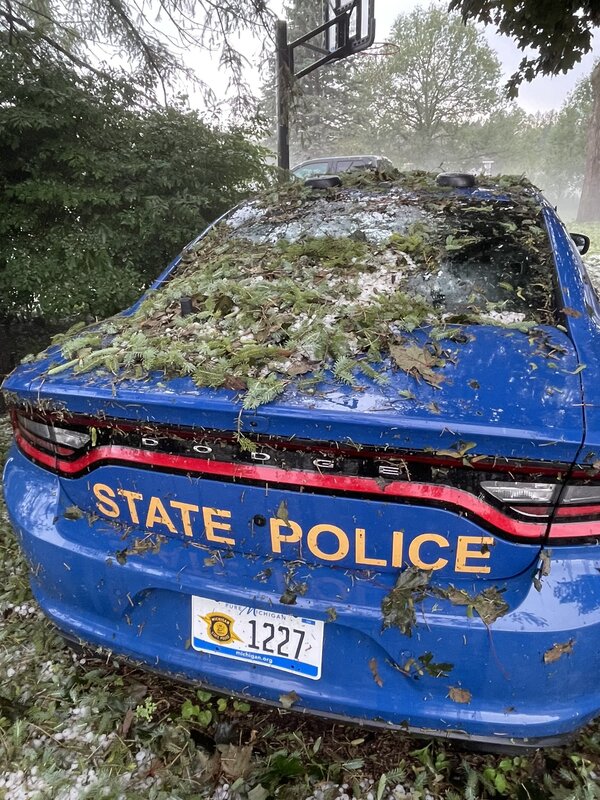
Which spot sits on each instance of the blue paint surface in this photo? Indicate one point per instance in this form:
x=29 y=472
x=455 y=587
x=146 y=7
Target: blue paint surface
x=139 y=603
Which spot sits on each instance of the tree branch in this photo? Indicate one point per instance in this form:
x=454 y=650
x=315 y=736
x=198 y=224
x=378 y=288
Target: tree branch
x=132 y=31
x=74 y=59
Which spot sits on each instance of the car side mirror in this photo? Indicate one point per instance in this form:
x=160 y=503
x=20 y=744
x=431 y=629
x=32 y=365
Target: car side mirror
x=582 y=242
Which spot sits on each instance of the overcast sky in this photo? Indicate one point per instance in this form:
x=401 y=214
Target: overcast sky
x=542 y=94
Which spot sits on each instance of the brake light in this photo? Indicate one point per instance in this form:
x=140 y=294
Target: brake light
x=516 y=494
x=52 y=438
x=575 y=509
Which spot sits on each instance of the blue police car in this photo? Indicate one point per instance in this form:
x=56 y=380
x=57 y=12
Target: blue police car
x=343 y=456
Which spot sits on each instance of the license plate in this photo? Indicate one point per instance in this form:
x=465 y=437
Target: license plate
x=280 y=641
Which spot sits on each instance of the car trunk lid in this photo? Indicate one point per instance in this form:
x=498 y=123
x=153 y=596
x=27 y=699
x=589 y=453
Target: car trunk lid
x=369 y=479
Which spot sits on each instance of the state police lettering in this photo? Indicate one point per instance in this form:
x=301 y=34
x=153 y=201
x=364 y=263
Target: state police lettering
x=216 y=526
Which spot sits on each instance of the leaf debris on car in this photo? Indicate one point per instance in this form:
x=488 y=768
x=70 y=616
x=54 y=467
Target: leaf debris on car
x=296 y=282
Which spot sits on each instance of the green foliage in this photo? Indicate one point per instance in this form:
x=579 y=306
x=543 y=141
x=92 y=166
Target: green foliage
x=329 y=252
x=192 y=711
x=412 y=587
x=210 y=707
x=437 y=73
x=398 y=607
x=560 y=32
x=97 y=194
x=549 y=147
x=489 y=603
x=555 y=35
x=263 y=390
x=147 y=710
x=87 y=34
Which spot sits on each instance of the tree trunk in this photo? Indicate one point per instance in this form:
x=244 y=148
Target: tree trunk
x=589 y=204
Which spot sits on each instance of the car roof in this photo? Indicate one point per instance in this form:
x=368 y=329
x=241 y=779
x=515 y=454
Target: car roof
x=332 y=158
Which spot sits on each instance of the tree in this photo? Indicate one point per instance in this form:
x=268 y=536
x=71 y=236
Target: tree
x=406 y=102
x=153 y=37
x=498 y=137
x=589 y=205
x=561 y=33
x=549 y=148
x=435 y=75
x=561 y=156
x=96 y=196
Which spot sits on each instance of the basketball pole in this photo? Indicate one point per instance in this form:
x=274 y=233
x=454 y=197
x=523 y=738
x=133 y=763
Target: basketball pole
x=287 y=74
x=283 y=96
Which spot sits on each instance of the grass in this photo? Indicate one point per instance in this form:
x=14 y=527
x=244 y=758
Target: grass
x=76 y=726
x=591 y=229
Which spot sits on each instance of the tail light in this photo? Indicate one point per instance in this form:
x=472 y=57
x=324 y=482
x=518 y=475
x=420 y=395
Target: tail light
x=522 y=501
x=574 y=508
x=521 y=497
x=50 y=436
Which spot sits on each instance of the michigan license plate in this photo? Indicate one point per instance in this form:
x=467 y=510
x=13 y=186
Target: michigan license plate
x=280 y=641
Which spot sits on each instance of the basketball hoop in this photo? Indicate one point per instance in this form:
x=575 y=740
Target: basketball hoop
x=352 y=26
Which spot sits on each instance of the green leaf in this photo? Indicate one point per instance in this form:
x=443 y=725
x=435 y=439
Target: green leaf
x=381 y=784
x=205 y=717
x=398 y=606
x=354 y=764
x=189 y=710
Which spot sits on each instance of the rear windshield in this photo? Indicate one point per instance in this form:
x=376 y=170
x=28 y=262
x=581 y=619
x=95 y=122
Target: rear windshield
x=299 y=285
x=478 y=256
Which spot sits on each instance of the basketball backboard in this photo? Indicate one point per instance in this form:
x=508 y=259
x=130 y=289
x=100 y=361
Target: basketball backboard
x=355 y=30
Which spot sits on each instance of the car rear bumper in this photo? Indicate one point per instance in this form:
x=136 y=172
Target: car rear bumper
x=140 y=607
